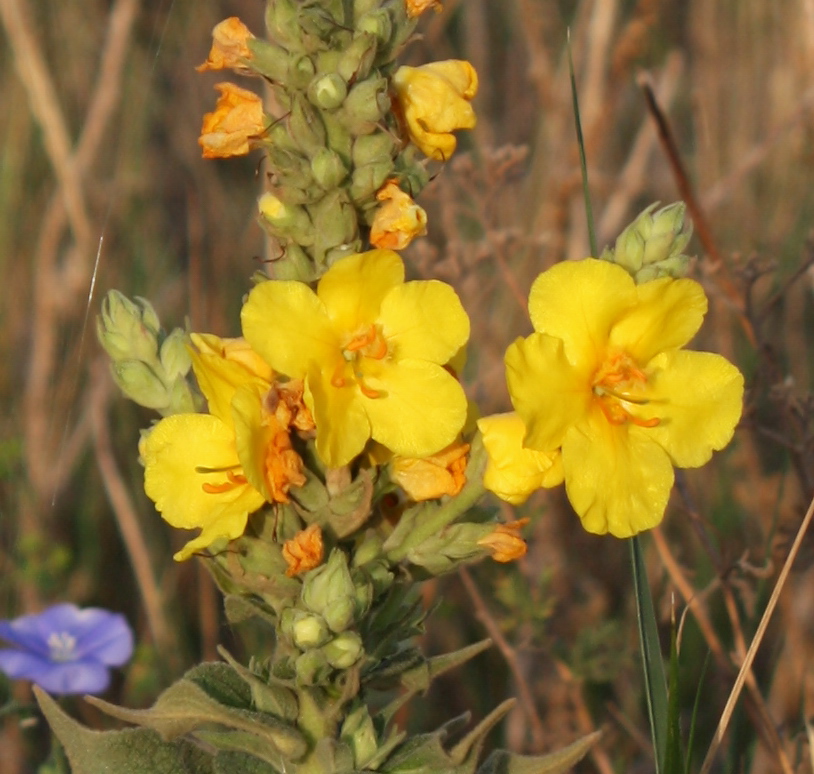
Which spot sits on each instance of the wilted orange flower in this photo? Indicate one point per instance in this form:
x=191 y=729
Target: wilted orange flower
x=236 y=121
x=398 y=221
x=505 y=542
x=417 y=7
x=304 y=551
x=229 y=47
x=431 y=477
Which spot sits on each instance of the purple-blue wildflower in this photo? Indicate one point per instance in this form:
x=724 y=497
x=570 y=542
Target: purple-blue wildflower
x=66 y=650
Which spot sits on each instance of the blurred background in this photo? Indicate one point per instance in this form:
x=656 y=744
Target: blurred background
x=102 y=186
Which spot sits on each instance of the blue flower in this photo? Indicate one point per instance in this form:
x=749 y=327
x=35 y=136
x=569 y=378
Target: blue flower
x=65 y=649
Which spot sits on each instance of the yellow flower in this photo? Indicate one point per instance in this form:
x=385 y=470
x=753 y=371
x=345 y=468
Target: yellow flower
x=431 y=477
x=210 y=471
x=512 y=471
x=229 y=47
x=371 y=350
x=505 y=542
x=235 y=124
x=398 y=221
x=304 y=551
x=604 y=379
x=434 y=100
x=417 y=7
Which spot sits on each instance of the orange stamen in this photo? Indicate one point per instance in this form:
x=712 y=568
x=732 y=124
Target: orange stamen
x=617 y=373
x=234 y=480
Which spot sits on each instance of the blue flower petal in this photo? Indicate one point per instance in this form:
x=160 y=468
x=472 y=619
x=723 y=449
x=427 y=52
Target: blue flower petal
x=104 y=637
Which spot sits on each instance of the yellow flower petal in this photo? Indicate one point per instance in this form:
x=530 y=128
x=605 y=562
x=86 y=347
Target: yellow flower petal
x=617 y=479
x=288 y=326
x=229 y=47
x=234 y=125
x=223 y=365
x=702 y=399
x=343 y=427
x=424 y=319
x=186 y=454
x=431 y=477
x=422 y=408
x=354 y=287
x=666 y=316
x=539 y=375
x=513 y=472
x=434 y=100
x=579 y=302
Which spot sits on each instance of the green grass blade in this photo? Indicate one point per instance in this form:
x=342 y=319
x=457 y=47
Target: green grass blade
x=673 y=756
x=654 y=678
x=696 y=705
x=589 y=214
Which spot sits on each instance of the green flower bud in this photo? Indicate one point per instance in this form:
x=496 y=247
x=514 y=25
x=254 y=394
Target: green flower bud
x=335 y=222
x=305 y=126
x=449 y=549
x=312 y=668
x=328 y=91
x=344 y=650
x=329 y=591
x=369 y=549
x=127 y=330
x=366 y=105
x=282 y=22
x=364 y=596
x=290 y=221
x=328 y=169
x=367 y=180
x=362 y=7
x=376 y=23
x=652 y=245
x=357 y=58
x=174 y=355
x=373 y=148
x=360 y=734
x=269 y=60
x=293 y=263
x=302 y=72
x=380 y=576
x=140 y=383
x=310 y=632
x=182 y=399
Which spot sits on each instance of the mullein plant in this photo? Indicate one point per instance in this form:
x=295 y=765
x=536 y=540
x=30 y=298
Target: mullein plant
x=329 y=458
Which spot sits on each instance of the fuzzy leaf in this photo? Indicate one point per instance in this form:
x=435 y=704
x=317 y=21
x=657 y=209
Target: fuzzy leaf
x=504 y=762
x=136 y=751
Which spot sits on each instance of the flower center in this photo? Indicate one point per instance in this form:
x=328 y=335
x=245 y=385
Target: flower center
x=368 y=343
x=62 y=646
x=233 y=480
x=617 y=385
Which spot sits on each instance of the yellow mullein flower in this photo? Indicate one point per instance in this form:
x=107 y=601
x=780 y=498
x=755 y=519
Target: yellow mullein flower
x=304 y=551
x=512 y=471
x=229 y=47
x=417 y=7
x=371 y=350
x=505 y=542
x=210 y=471
x=398 y=221
x=235 y=123
x=604 y=379
x=428 y=478
x=434 y=100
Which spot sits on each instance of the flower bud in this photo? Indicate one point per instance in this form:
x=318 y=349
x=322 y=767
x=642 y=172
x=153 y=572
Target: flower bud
x=312 y=667
x=505 y=542
x=269 y=60
x=329 y=591
x=369 y=549
x=328 y=168
x=358 y=732
x=357 y=58
x=174 y=355
x=282 y=22
x=305 y=126
x=182 y=399
x=140 y=383
x=367 y=180
x=344 y=650
x=328 y=91
x=335 y=222
x=376 y=147
x=127 y=330
x=652 y=245
x=286 y=220
x=376 y=23
x=365 y=106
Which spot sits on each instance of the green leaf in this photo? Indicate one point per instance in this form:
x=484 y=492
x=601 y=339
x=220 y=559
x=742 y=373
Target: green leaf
x=504 y=762
x=206 y=695
x=654 y=678
x=135 y=751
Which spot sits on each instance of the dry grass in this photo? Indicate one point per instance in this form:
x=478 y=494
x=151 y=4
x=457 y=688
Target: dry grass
x=101 y=185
